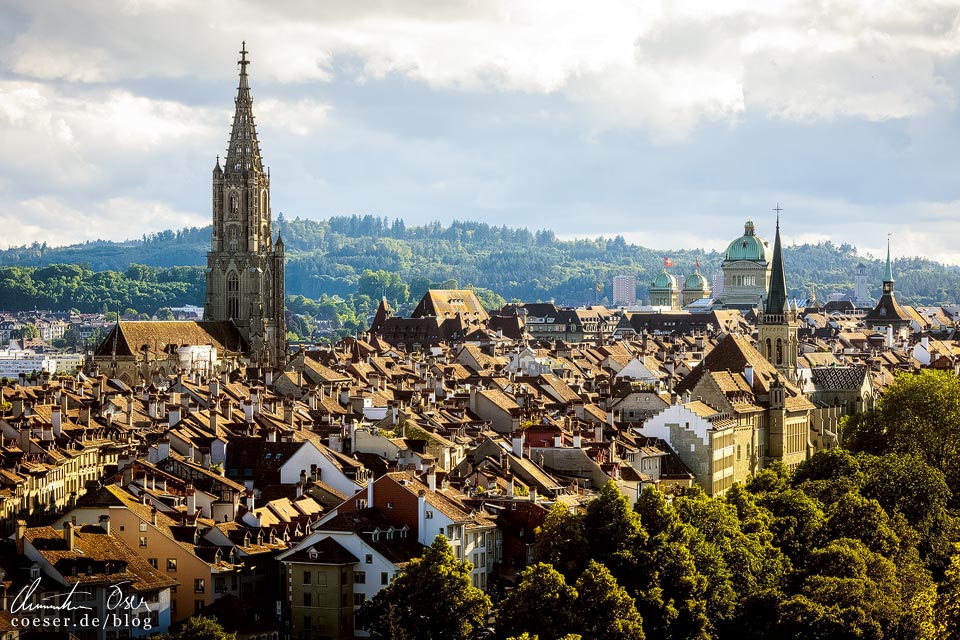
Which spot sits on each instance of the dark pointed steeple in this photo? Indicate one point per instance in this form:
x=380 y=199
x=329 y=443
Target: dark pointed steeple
x=888 y=272
x=243 y=154
x=777 y=297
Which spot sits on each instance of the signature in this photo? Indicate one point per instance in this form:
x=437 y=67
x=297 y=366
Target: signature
x=115 y=600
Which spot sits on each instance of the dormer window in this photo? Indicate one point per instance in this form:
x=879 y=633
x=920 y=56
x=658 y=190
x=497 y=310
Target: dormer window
x=376 y=534
x=403 y=531
x=312 y=553
x=390 y=533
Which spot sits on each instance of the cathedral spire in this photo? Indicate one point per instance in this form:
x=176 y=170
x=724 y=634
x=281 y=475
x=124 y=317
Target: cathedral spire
x=888 y=273
x=243 y=154
x=777 y=297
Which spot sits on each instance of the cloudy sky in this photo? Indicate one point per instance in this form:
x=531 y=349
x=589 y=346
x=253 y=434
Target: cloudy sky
x=670 y=123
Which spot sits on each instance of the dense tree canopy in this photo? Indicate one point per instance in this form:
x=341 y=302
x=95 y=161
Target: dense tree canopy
x=432 y=599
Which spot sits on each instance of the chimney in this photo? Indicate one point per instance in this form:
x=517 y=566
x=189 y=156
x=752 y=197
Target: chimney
x=271 y=434
x=152 y=407
x=248 y=410
x=163 y=449
x=303 y=477
x=288 y=411
x=370 y=493
x=214 y=418
x=250 y=500
x=21 y=533
x=56 y=420
x=207 y=459
x=577 y=441
x=173 y=415
x=598 y=433
x=558 y=441
x=421 y=515
x=46 y=433
x=214 y=389
x=130 y=410
x=511 y=488
x=889 y=336
x=105 y=524
x=268 y=377
x=153 y=516
x=191 y=500
x=518 y=445
x=299 y=489
x=255 y=401
x=68 y=535
x=432 y=479
x=85 y=415
x=748 y=374
x=315 y=473
x=533 y=494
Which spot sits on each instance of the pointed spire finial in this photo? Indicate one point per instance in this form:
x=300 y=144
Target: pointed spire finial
x=888 y=273
x=778 y=209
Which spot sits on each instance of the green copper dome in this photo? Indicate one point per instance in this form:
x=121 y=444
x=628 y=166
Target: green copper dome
x=694 y=282
x=749 y=246
x=665 y=281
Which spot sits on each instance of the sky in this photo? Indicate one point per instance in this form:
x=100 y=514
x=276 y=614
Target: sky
x=669 y=123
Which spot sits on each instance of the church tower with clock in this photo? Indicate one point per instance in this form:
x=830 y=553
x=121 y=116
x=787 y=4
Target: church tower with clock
x=244 y=264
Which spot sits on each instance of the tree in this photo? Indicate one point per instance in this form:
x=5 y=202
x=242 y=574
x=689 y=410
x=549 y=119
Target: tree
x=562 y=542
x=542 y=604
x=918 y=414
x=26 y=332
x=607 y=612
x=432 y=599
x=611 y=527
x=164 y=313
x=948 y=601
x=199 y=628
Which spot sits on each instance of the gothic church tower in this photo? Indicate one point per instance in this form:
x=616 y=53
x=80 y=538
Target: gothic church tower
x=244 y=265
x=777 y=329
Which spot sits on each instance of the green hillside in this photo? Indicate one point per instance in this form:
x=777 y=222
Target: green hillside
x=363 y=257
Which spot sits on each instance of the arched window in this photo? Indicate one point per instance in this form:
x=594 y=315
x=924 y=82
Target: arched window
x=738 y=452
x=233 y=296
x=779 y=351
x=769 y=350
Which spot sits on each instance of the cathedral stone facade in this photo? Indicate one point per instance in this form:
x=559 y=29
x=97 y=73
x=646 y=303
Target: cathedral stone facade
x=244 y=264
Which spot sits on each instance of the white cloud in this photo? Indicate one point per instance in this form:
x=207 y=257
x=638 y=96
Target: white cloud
x=51 y=220
x=663 y=67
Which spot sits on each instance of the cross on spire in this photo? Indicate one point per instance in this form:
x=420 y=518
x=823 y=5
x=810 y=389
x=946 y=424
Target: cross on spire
x=778 y=209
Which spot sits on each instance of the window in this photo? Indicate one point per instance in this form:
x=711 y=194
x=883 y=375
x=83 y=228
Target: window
x=171 y=564
x=153 y=562
x=233 y=296
x=306 y=577
x=389 y=505
x=307 y=622
x=308 y=599
x=359 y=599
x=143 y=526
x=197 y=605
x=360 y=577
x=220 y=584
x=368 y=558
x=199 y=586
x=429 y=515
x=384 y=577
x=143 y=541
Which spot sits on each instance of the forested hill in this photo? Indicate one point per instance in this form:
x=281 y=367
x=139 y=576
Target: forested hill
x=330 y=256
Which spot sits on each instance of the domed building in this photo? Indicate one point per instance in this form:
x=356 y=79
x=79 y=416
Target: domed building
x=695 y=288
x=746 y=271
x=665 y=291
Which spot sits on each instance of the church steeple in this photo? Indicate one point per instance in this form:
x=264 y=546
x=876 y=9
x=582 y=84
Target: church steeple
x=243 y=152
x=777 y=329
x=777 y=297
x=888 y=272
x=245 y=270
